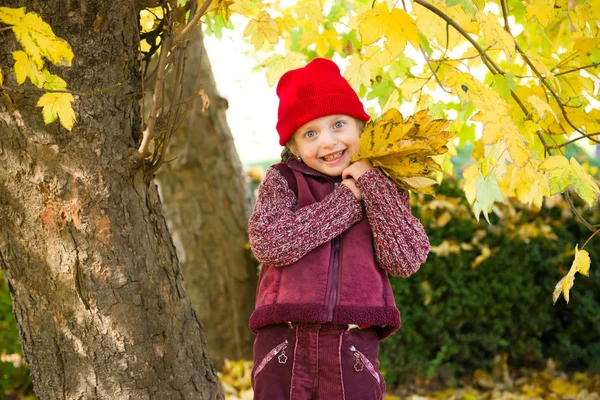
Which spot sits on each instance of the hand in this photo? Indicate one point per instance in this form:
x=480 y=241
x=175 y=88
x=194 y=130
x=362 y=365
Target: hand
x=351 y=184
x=355 y=170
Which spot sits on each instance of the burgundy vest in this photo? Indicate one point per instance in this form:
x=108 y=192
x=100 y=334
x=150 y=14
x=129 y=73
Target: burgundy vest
x=337 y=282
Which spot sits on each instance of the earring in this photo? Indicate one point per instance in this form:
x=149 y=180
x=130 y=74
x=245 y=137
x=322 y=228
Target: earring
x=298 y=158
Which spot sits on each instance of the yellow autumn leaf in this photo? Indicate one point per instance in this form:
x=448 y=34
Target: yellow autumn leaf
x=358 y=72
x=58 y=105
x=581 y=264
x=493 y=33
x=404 y=149
x=1 y=78
x=542 y=68
x=262 y=28
x=310 y=14
x=583 y=183
x=243 y=7
x=38 y=40
x=564 y=173
x=470 y=175
x=396 y=26
x=586 y=45
x=485 y=254
x=378 y=56
x=27 y=68
x=11 y=16
x=543 y=10
x=324 y=41
x=53 y=82
x=493 y=113
x=277 y=65
x=541 y=107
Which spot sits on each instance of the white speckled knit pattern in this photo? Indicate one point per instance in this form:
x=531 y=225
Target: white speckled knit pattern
x=280 y=235
x=401 y=244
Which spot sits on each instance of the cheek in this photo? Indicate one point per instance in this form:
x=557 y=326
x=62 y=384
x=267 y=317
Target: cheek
x=354 y=144
x=309 y=151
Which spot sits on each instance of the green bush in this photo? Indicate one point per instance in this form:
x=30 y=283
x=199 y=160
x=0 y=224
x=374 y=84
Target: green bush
x=14 y=375
x=457 y=318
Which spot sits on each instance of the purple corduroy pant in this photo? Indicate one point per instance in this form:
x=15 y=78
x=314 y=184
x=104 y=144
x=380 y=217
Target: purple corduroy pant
x=316 y=361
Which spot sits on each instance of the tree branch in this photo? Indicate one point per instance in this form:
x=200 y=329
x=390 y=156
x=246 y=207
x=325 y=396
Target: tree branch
x=189 y=28
x=484 y=57
x=156 y=96
x=577 y=69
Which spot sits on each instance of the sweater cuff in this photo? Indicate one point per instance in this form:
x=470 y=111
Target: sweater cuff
x=374 y=180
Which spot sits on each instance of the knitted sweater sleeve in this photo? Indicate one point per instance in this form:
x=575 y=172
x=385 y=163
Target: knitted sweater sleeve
x=401 y=244
x=280 y=234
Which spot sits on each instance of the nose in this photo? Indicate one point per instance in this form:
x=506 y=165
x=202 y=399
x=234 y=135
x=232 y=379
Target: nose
x=329 y=138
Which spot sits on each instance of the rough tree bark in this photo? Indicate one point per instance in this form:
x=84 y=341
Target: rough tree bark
x=96 y=287
x=206 y=203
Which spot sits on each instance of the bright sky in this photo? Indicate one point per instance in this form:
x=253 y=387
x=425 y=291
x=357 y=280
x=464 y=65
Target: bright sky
x=252 y=112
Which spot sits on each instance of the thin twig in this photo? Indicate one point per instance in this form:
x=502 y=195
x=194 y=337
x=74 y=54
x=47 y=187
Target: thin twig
x=437 y=78
x=484 y=57
x=577 y=69
x=156 y=97
x=189 y=28
x=577 y=139
x=586 y=242
x=583 y=220
x=22 y=89
x=542 y=79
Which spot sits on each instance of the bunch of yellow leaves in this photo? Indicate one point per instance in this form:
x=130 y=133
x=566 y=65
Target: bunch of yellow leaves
x=403 y=150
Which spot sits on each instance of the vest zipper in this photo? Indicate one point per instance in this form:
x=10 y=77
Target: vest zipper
x=334 y=274
x=334 y=277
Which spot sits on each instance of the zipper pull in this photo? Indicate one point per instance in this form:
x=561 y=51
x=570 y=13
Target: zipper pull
x=282 y=358
x=358 y=364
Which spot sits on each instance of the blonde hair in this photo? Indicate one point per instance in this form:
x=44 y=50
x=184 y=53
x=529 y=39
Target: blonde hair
x=286 y=153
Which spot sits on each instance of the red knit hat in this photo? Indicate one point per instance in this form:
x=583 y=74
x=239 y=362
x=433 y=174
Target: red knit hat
x=312 y=92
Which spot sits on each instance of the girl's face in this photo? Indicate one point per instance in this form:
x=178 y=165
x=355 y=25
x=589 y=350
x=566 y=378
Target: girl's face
x=325 y=144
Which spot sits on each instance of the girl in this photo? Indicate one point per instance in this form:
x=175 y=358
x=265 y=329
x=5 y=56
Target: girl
x=328 y=232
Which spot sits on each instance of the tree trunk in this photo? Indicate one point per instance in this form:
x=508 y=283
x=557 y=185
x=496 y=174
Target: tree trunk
x=206 y=203
x=96 y=287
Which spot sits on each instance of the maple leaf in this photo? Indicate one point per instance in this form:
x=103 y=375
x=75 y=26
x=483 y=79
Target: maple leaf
x=27 y=68
x=543 y=10
x=11 y=16
x=58 y=105
x=53 y=82
x=262 y=28
x=278 y=65
x=38 y=40
x=404 y=149
x=487 y=191
x=581 y=264
x=358 y=72
x=396 y=26
x=541 y=107
x=493 y=32
x=493 y=113
x=324 y=41
x=565 y=174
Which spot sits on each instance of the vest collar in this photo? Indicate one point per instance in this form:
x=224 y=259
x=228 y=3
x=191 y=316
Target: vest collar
x=305 y=169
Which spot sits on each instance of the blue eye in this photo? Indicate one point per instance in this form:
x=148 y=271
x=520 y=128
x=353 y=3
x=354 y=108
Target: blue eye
x=310 y=134
x=338 y=124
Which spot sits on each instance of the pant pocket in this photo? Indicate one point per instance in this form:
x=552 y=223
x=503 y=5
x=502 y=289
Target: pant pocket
x=362 y=362
x=278 y=351
x=360 y=366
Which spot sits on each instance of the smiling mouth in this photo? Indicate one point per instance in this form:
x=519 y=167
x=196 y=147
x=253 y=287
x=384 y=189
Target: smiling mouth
x=334 y=157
